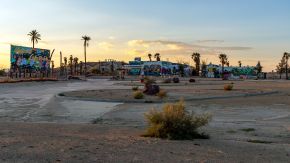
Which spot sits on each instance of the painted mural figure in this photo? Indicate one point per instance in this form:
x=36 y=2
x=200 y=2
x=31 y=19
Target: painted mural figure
x=26 y=59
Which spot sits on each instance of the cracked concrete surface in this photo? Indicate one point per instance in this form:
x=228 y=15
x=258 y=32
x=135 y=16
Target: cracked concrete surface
x=56 y=129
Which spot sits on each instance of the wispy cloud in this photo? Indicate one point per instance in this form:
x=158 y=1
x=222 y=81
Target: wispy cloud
x=176 y=47
x=210 y=41
x=106 y=45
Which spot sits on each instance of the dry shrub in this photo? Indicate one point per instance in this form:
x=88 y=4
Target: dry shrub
x=149 y=80
x=138 y=95
x=175 y=123
x=135 y=88
x=228 y=87
x=166 y=81
x=162 y=94
x=176 y=80
x=191 y=80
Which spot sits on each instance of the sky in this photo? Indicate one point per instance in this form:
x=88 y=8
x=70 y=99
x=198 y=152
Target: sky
x=246 y=30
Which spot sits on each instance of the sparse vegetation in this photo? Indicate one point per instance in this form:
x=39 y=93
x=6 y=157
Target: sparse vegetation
x=228 y=87
x=168 y=80
x=176 y=80
x=135 y=88
x=150 y=87
x=61 y=94
x=259 y=141
x=2 y=72
x=149 y=81
x=231 y=131
x=191 y=80
x=138 y=95
x=248 y=129
x=162 y=94
x=174 y=122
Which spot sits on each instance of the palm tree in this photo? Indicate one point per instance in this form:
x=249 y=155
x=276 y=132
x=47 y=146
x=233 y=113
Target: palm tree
x=34 y=37
x=76 y=60
x=71 y=64
x=158 y=57
x=223 y=60
x=81 y=67
x=196 y=59
x=286 y=57
x=86 y=40
x=228 y=64
x=150 y=57
x=65 y=65
x=65 y=61
x=240 y=63
x=52 y=68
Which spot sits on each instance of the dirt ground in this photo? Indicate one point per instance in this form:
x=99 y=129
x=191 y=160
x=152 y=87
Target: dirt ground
x=243 y=129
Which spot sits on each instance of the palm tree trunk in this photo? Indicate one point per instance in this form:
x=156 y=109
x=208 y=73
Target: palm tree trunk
x=223 y=69
x=85 y=52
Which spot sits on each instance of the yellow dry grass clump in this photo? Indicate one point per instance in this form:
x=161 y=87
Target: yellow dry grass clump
x=162 y=94
x=228 y=87
x=174 y=122
x=138 y=95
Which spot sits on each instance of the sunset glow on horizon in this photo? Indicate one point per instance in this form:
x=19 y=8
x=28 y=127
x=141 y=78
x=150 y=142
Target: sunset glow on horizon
x=249 y=30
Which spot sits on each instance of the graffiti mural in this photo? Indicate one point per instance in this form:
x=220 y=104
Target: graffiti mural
x=26 y=58
x=243 y=71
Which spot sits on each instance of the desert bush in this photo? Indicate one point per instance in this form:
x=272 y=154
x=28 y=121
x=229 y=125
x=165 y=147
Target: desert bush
x=168 y=80
x=174 y=122
x=138 y=95
x=95 y=71
x=162 y=94
x=191 y=80
x=150 y=87
x=2 y=72
x=149 y=81
x=135 y=88
x=228 y=87
x=176 y=80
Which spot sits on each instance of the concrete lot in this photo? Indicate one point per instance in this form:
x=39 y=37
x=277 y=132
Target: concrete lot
x=243 y=129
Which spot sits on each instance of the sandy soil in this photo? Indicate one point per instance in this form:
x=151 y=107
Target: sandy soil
x=187 y=91
x=115 y=137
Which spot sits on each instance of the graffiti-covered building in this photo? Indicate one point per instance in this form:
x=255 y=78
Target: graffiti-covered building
x=215 y=71
x=155 y=68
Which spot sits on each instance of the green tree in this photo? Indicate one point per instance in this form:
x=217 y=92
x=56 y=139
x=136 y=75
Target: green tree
x=286 y=58
x=34 y=37
x=196 y=59
x=203 y=68
x=259 y=67
x=86 y=40
x=280 y=68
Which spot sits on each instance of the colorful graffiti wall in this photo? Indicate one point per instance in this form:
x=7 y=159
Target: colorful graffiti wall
x=26 y=58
